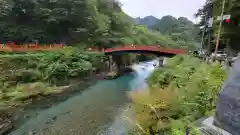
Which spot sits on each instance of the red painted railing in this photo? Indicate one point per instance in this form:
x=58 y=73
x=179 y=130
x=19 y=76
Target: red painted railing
x=141 y=48
x=12 y=47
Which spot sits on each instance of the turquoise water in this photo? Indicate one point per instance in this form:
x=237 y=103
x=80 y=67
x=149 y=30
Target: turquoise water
x=98 y=110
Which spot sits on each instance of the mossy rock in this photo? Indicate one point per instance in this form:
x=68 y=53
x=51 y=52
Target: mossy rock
x=112 y=75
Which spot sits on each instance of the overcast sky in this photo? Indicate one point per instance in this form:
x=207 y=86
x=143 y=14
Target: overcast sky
x=159 y=8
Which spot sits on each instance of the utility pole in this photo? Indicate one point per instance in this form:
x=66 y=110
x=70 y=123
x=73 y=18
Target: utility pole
x=203 y=34
x=204 y=28
x=209 y=40
x=219 y=29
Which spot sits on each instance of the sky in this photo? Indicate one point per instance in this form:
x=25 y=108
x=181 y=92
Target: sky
x=160 y=8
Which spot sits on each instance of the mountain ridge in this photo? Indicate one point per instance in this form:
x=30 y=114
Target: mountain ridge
x=180 y=28
x=153 y=20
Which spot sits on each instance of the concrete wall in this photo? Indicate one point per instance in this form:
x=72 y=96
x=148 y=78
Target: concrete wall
x=162 y=60
x=165 y=60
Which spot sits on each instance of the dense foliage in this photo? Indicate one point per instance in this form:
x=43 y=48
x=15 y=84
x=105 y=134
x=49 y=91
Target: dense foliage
x=144 y=36
x=230 y=32
x=149 y=21
x=95 y=23
x=180 y=93
x=180 y=30
x=33 y=73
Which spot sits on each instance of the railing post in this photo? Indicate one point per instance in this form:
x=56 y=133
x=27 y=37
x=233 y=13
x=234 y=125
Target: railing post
x=110 y=63
x=36 y=45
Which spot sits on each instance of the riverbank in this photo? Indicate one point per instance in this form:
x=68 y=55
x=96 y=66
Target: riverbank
x=16 y=115
x=94 y=111
x=87 y=112
x=40 y=80
x=184 y=84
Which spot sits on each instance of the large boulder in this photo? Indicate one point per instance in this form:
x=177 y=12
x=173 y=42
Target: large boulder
x=228 y=106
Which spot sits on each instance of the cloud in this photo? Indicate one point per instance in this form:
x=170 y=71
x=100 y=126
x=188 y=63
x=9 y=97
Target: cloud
x=159 y=8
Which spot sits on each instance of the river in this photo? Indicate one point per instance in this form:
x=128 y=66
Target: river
x=98 y=110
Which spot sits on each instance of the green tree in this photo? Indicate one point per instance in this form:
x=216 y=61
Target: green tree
x=230 y=33
x=94 y=23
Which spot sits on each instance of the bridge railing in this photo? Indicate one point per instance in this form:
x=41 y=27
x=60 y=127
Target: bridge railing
x=143 y=48
x=12 y=47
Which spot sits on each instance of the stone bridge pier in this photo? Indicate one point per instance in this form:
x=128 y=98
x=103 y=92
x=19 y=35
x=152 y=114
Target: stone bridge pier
x=118 y=63
x=162 y=61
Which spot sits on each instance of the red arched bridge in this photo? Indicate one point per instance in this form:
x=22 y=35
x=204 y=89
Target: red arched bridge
x=159 y=51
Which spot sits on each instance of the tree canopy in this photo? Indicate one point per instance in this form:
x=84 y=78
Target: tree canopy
x=180 y=30
x=95 y=23
x=230 y=32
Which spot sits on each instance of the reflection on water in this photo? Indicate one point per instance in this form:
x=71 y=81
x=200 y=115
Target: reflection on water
x=99 y=109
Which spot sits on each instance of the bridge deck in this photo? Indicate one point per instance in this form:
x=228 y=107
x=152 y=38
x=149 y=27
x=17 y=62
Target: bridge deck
x=153 y=49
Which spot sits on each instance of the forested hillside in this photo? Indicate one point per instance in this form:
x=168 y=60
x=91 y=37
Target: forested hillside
x=90 y=22
x=149 y=21
x=180 y=30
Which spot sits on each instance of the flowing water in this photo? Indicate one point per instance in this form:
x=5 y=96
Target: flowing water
x=98 y=110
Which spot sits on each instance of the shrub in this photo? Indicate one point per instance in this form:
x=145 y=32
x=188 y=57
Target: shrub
x=29 y=74
x=181 y=92
x=24 y=91
x=60 y=64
